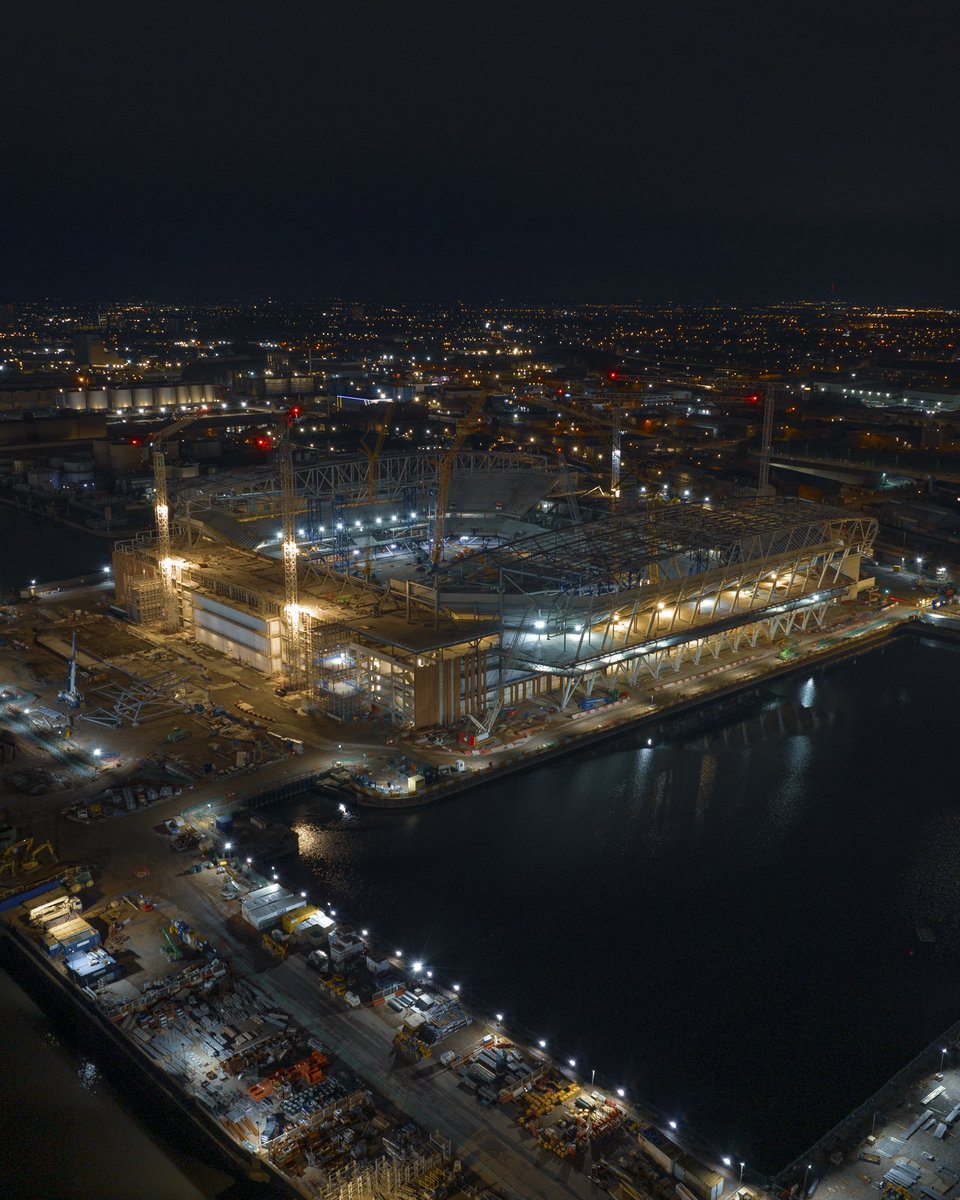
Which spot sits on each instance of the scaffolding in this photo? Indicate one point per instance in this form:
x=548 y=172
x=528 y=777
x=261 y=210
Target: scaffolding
x=335 y=670
x=386 y=1179
x=148 y=603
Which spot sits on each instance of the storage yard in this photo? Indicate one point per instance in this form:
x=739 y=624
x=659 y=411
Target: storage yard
x=902 y=1143
x=270 y=1028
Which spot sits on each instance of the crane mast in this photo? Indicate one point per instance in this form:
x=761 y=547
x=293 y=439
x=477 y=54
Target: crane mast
x=445 y=473
x=291 y=586
x=373 y=458
x=615 y=454
x=766 y=441
x=161 y=511
x=569 y=489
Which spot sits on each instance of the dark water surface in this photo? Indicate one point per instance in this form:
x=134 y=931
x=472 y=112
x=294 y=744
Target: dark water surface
x=72 y=1133
x=728 y=929
x=36 y=548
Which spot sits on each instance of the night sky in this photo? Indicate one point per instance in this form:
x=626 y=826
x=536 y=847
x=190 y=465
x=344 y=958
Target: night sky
x=537 y=150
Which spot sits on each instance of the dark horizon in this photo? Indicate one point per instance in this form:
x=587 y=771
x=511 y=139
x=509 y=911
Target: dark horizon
x=667 y=153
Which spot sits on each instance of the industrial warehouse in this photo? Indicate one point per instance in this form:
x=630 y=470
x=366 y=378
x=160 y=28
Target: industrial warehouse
x=434 y=591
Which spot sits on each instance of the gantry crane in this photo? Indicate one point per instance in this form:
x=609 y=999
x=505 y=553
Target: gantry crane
x=465 y=424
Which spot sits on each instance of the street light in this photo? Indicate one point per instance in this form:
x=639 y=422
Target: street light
x=805 y=1174
x=542 y=1043
x=672 y=1124
x=499 y=1018
x=943 y=1054
x=727 y=1162
x=621 y=1093
x=742 y=1165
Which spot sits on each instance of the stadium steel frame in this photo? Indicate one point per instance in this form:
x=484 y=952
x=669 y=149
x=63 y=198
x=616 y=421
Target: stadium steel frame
x=347 y=479
x=708 y=581
x=653 y=544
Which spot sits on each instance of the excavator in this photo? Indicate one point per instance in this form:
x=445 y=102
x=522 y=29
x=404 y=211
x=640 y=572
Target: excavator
x=25 y=856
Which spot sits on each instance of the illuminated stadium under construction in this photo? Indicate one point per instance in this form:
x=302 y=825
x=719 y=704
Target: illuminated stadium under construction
x=518 y=590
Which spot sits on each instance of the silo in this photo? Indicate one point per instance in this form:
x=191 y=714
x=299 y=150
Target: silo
x=121 y=398
x=77 y=401
x=143 y=397
x=97 y=400
x=166 y=396
x=196 y=393
x=209 y=394
x=183 y=394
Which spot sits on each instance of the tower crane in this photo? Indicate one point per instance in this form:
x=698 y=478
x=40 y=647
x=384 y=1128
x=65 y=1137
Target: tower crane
x=569 y=488
x=288 y=516
x=373 y=458
x=606 y=426
x=465 y=424
x=766 y=442
x=161 y=509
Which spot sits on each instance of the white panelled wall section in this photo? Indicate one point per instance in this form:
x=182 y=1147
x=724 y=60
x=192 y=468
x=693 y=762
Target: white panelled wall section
x=237 y=633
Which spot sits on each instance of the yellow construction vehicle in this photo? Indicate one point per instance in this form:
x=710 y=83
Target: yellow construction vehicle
x=22 y=856
x=274 y=945
x=31 y=857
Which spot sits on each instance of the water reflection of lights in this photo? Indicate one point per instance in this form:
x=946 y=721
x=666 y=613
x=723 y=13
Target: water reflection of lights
x=808 y=693
x=311 y=840
x=89 y=1074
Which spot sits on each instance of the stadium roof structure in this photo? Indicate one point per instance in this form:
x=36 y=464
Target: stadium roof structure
x=653 y=543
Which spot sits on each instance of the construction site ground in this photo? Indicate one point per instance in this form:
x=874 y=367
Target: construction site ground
x=487 y=1139
x=132 y=857
x=908 y=1129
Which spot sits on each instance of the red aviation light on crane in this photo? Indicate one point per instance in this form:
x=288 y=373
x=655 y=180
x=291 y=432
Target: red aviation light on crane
x=611 y=375
x=753 y=398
